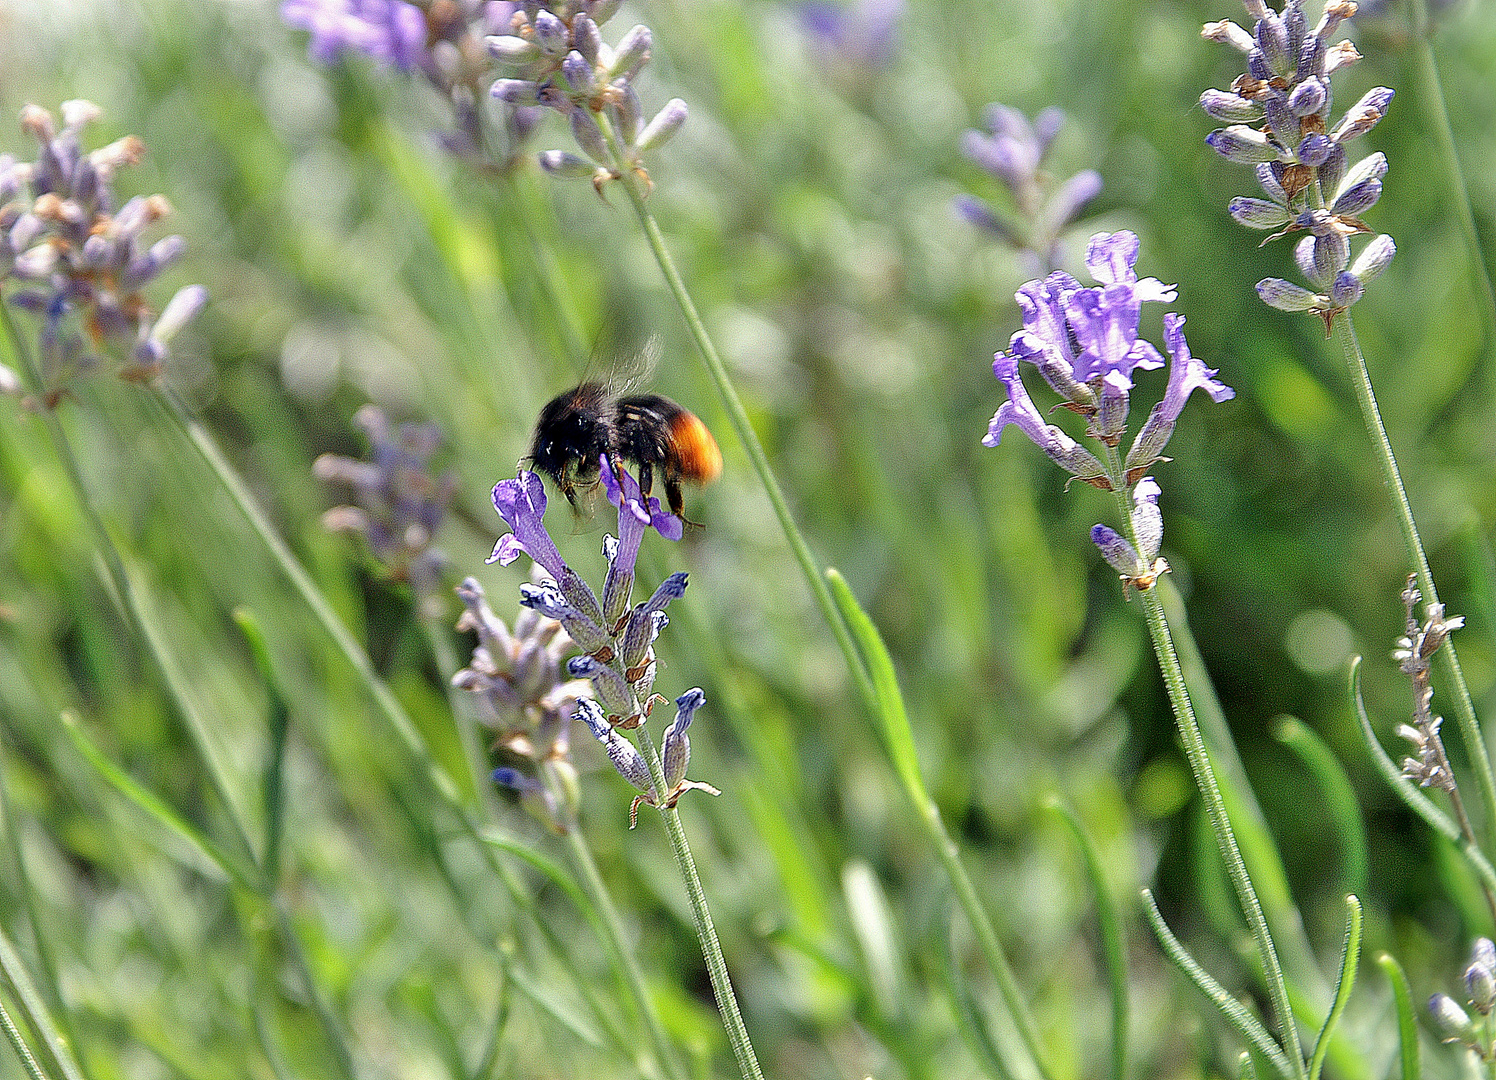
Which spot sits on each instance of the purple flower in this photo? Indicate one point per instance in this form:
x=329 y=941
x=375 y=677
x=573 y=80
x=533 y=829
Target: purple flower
x=1012 y=152
x=862 y=34
x=79 y=263
x=1085 y=344
x=521 y=503
x=1019 y=410
x=391 y=31
x=401 y=505
x=1187 y=374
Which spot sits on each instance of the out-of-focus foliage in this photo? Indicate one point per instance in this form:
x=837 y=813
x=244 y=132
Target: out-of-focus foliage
x=808 y=204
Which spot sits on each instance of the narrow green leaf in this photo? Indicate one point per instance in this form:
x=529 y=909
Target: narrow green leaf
x=1244 y=1067
x=18 y=1044
x=54 y=1044
x=1409 y=792
x=1113 y=948
x=1235 y=1013
x=549 y=867
x=148 y=801
x=1407 y=1022
x=278 y=721
x=893 y=718
x=1350 y=956
x=969 y=1019
x=1337 y=796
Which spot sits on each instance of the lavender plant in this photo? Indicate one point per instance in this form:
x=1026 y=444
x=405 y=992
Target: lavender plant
x=1455 y=1024
x=77 y=261
x=1085 y=345
x=618 y=659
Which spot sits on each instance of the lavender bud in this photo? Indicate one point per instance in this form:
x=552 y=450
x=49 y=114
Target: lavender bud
x=589 y=136
x=625 y=111
x=1480 y=976
x=516 y=91
x=1267 y=175
x=1371 y=167
x=1358 y=199
x=551 y=34
x=578 y=74
x=1230 y=108
x=586 y=38
x=1374 y=258
x=1272 y=40
x=1333 y=169
x=1346 y=290
x=1286 y=296
x=1241 y=144
x=561 y=163
x=1363 y=115
x=1315 y=150
x=1227 y=32
x=1147 y=521
x=1120 y=555
x=1307 y=98
x=1283 y=124
x=1452 y=1021
x=508 y=49
x=663 y=127
x=633 y=53
x=1258 y=213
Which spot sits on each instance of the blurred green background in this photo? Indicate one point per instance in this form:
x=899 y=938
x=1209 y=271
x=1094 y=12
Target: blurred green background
x=807 y=202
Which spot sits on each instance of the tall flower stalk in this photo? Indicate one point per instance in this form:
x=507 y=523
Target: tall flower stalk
x=1279 y=122
x=618 y=659
x=1085 y=346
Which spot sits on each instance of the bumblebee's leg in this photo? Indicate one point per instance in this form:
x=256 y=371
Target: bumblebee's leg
x=673 y=494
x=646 y=477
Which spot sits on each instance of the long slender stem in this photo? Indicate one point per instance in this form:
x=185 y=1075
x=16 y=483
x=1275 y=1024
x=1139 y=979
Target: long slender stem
x=738 y=416
x=711 y=947
x=1215 y=806
x=1210 y=790
x=1464 y=709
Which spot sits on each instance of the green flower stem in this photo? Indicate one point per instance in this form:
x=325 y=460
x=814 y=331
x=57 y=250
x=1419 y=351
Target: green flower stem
x=1446 y=657
x=18 y=1044
x=592 y=881
x=1210 y=791
x=711 y=947
x=1431 y=97
x=1215 y=806
x=738 y=416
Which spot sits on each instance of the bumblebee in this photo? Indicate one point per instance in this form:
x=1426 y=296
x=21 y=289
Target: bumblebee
x=577 y=428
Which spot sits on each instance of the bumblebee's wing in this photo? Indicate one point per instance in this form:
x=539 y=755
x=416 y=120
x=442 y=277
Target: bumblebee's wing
x=626 y=369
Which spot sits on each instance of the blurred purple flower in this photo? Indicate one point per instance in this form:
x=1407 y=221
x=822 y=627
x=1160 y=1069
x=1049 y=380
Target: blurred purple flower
x=80 y=263
x=863 y=33
x=391 y=31
x=1012 y=151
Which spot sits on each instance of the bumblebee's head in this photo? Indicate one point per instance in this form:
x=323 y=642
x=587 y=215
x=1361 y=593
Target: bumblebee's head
x=571 y=434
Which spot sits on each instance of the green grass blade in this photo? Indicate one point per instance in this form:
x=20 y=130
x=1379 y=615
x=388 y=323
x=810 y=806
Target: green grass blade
x=892 y=717
x=1113 y=947
x=147 y=801
x=278 y=719
x=1407 y=1022
x=54 y=1043
x=18 y=1044
x=1337 y=795
x=1350 y=955
x=1235 y=1013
